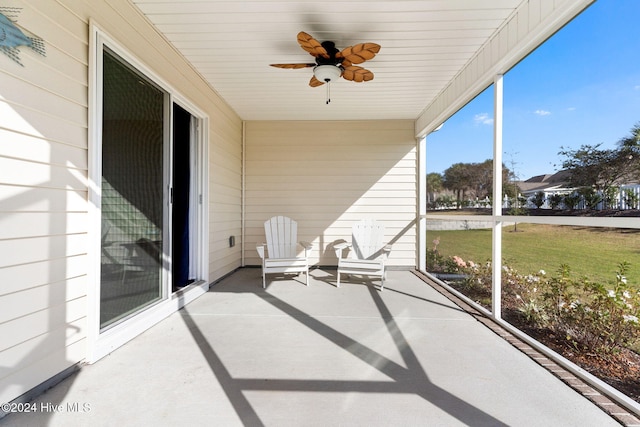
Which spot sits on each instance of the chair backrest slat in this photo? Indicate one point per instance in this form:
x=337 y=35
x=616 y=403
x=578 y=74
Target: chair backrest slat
x=367 y=239
x=281 y=233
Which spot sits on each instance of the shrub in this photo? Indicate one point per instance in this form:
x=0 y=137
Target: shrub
x=437 y=263
x=591 y=197
x=445 y=202
x=555 y=200
x=571 y=200
x=610 y=316
x=630 y=198
x=591 y=316
x=611 y=197
x=538 y=199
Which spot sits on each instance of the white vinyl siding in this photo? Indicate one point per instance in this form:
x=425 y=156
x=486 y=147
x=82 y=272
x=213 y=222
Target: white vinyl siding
x=44 y=189
x=43 y=208
x=329 y=175
x=225 y=195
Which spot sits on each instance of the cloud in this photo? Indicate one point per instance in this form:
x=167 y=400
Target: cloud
x=482 y=119
x=542 y=112
x=636 y=87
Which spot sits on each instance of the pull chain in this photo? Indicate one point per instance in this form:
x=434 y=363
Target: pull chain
x=328 y=91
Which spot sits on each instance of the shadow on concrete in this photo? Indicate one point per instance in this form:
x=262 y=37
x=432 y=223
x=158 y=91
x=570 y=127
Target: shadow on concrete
x=411 y=379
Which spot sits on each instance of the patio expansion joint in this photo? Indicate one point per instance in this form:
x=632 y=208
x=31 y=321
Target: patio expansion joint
x=609 y=406
x=326 y=316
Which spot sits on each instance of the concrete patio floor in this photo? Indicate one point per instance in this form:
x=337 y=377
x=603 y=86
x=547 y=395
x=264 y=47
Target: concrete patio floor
x=318 y=356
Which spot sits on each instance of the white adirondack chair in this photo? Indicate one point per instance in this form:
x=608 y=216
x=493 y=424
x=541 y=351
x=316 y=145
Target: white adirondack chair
x=368 y=252
x=281 y=253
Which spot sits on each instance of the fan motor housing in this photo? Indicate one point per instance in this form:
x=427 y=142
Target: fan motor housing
x=332 y=51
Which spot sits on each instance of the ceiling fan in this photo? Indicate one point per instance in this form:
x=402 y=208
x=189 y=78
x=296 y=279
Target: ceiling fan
x=332 y=63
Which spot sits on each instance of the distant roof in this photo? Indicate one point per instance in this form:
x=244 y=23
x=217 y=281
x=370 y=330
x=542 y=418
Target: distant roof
x=544 y=182
x=558 y=177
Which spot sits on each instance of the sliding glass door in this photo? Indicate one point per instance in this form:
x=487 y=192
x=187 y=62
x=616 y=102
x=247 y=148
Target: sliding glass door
x=133 y=197
x=150 y=200
x=184 y=199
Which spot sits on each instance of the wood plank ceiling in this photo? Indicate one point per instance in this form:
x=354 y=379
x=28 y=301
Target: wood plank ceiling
x=424 y=45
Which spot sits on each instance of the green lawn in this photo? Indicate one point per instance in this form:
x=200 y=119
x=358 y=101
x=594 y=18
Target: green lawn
x=590 y=252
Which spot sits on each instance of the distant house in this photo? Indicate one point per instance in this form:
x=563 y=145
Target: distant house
x=558 y=183
x=549 y=184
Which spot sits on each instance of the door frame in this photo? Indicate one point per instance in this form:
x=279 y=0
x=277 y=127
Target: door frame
x=101 y=343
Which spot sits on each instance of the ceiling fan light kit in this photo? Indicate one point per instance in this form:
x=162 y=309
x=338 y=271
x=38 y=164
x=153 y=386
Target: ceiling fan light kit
x=332 y=63
x=327 y=73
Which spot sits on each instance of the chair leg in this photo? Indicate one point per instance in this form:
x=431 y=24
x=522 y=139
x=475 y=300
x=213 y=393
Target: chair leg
x=338 y=283
x=264 y=280
x=307 y=275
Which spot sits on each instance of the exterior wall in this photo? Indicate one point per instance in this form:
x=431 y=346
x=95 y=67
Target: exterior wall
x=45 y=254
x=328 y=175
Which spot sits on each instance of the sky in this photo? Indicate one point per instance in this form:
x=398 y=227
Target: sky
x=582 y=86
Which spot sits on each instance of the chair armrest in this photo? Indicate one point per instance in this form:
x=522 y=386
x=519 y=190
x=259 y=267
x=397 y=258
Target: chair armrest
x=342 y=245
x=386 y=249
x=306 y=245
x=260 y=249
x=339 y=247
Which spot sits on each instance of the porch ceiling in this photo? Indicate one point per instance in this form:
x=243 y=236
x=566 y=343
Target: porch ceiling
x=424 y=45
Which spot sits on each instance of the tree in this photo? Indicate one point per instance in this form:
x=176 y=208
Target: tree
x=600 y=169
x=509 y=183
x=473 y=179
x=481 y=178
x=457 y=179
x=589 y=166
x=629 y=148
x=434 y=186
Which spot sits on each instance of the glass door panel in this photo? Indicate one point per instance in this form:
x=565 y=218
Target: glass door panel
x=132 y=200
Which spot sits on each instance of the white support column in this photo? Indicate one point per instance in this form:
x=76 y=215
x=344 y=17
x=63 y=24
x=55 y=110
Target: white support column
x=422 y=204
x=496 y=291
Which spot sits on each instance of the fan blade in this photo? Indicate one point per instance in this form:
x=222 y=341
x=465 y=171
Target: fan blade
x=292 y=66
x=312 y=45
x=357 y=74
x=359 y=53
x=315 y=82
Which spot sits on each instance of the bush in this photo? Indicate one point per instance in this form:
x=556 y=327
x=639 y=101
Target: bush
x=630 y=198
x=437 y=263
x=538 y=199
x=555 y=200
x=611 y=197
x=598 y=318
x=591 y=316
x=591 y=198
x=445 y=202
x=609 y=316
x=571 y=201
